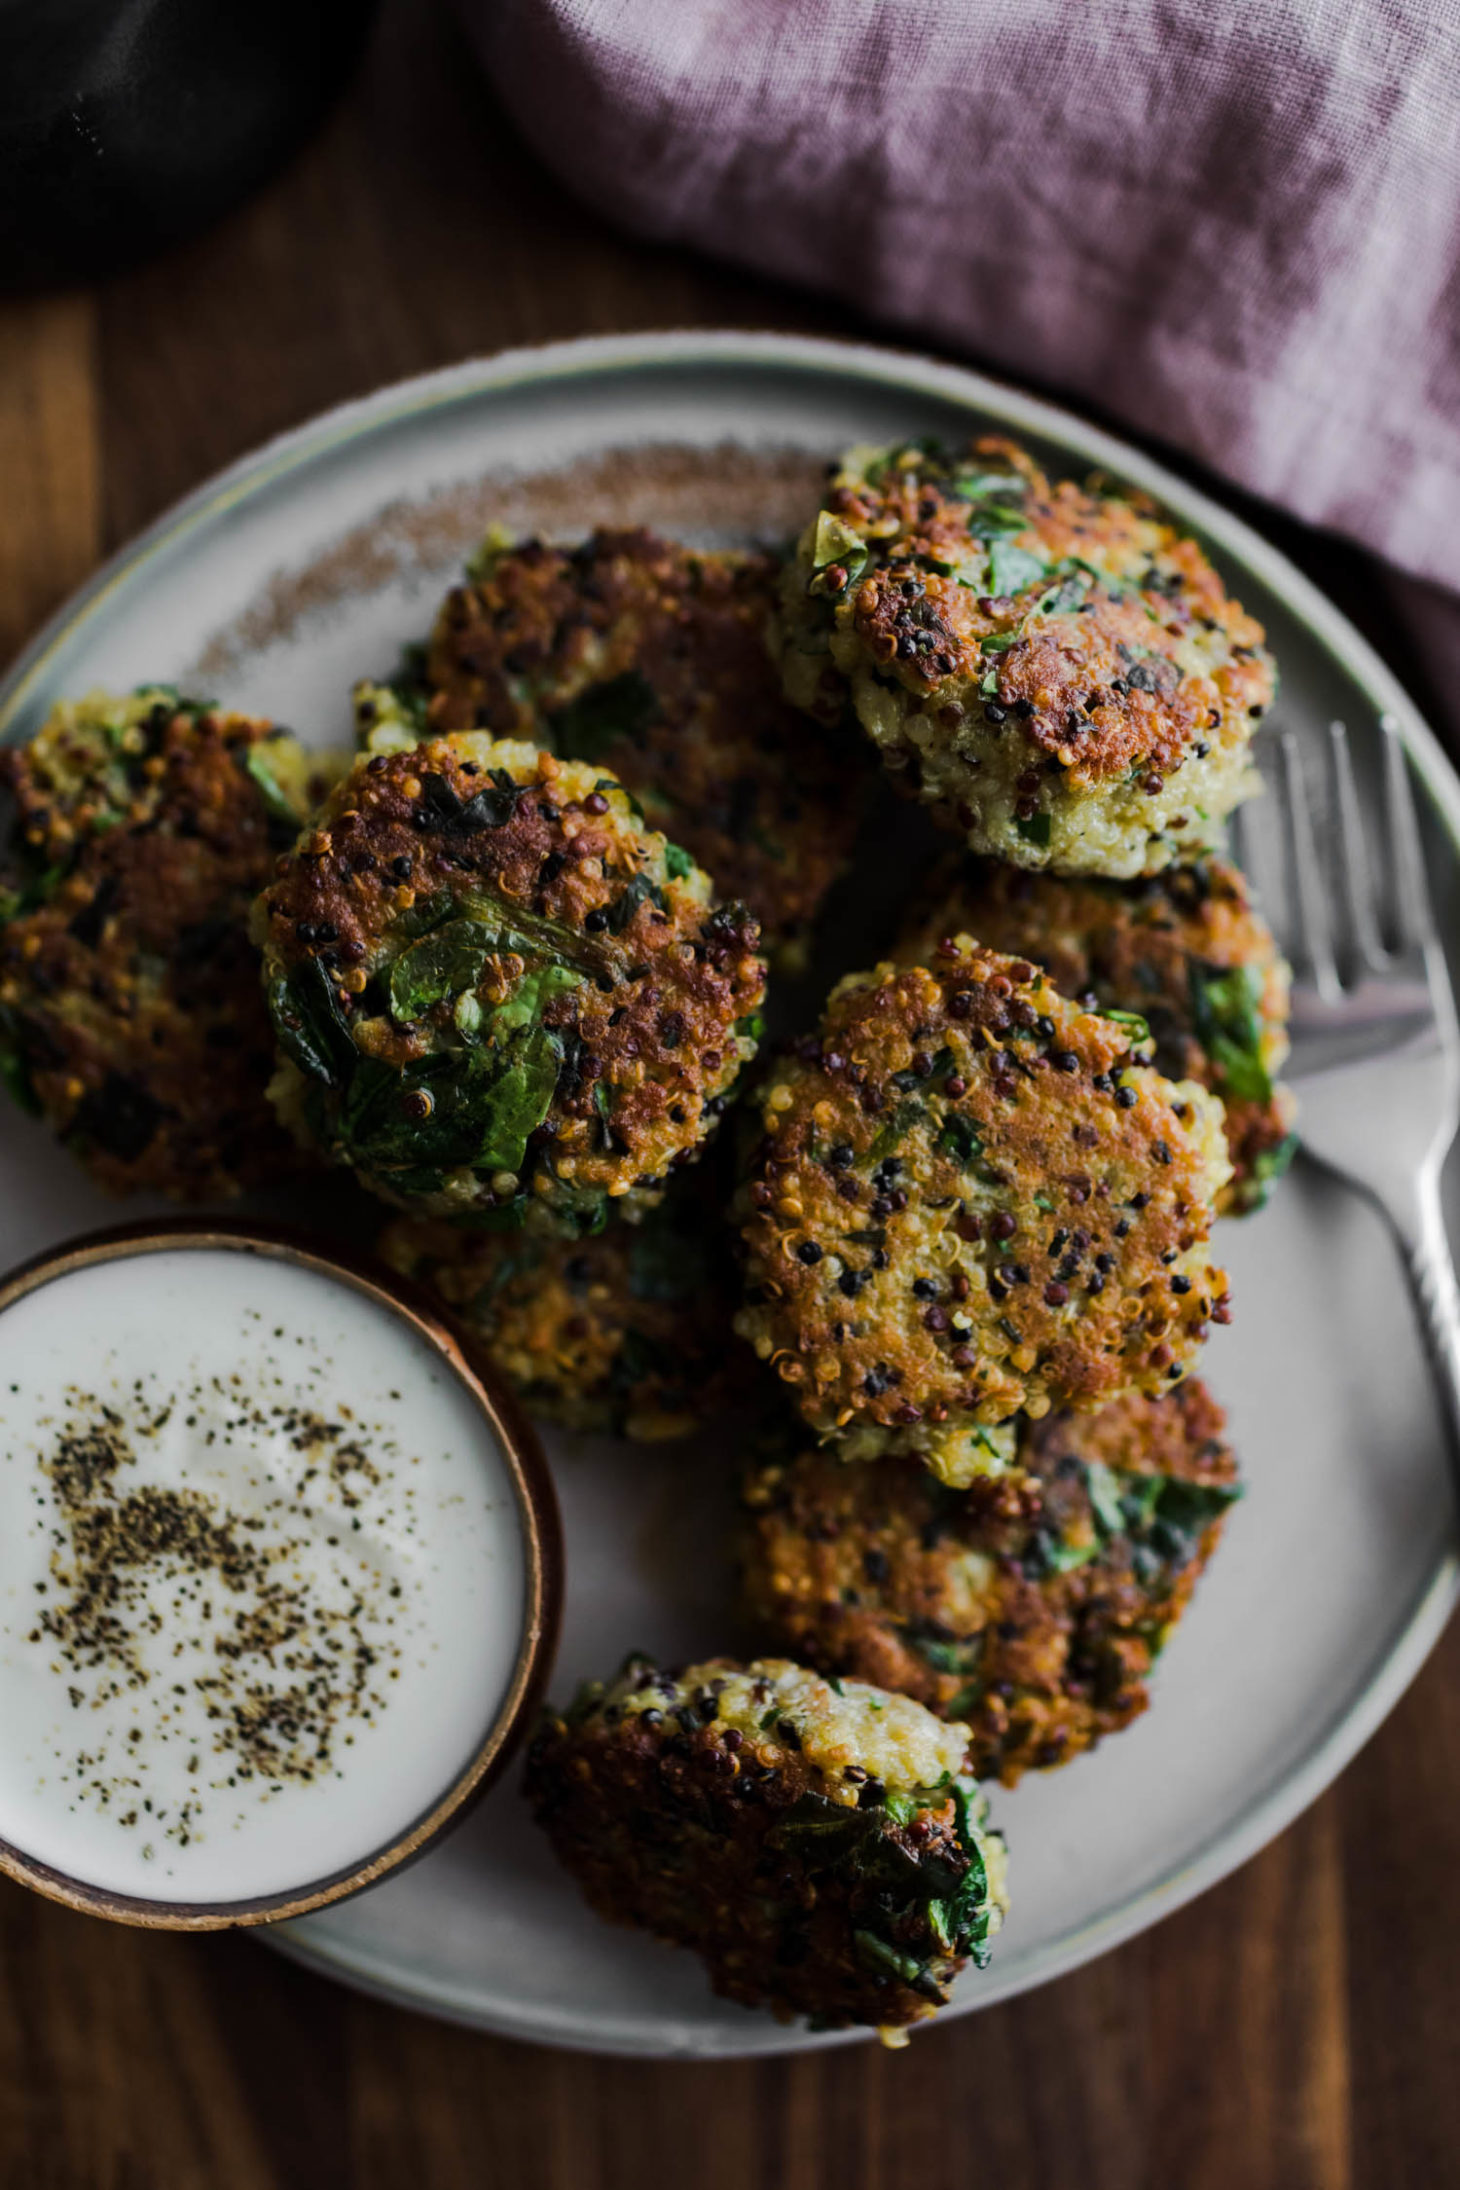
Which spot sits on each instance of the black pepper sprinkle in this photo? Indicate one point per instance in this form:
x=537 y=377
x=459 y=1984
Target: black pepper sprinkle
x=290 y=1669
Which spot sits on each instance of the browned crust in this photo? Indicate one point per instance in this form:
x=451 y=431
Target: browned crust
x=658 y=1032
x=1069 y=1293
x=1131 y=946
x=852 y=1567
x=668 y=1828
x=571 y=1324
x=134 y=992
x=766 y=800
x=1068 y=681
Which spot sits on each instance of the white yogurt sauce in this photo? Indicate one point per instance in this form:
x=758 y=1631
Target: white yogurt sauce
x=262 y=1576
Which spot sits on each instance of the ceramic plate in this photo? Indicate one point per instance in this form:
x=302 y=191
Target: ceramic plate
x=306 y=566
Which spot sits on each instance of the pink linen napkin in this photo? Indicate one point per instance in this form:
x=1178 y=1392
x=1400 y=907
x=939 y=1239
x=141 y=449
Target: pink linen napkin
x=1236 y=227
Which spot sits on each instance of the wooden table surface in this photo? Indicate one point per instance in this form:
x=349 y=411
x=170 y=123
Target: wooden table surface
x=1298 y=2027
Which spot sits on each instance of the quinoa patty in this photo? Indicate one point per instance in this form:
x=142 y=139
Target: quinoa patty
x=134 y=834
x=821 y=1846
x=972 y=1198
x=496 y=989
x=1036 y=1629
x=649 y=659
x=1055 y=671
x=630 y=1332
x=1187 y=950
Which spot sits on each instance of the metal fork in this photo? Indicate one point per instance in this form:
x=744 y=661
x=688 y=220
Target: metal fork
x=1376 y=1052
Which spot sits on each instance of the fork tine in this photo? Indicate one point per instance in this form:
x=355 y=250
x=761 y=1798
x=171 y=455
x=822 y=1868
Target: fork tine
x=1242 y=847
x=1252 y=832
x=1414 y=920
x=1355 y=877
x=1312 y=947
x=1243 y=841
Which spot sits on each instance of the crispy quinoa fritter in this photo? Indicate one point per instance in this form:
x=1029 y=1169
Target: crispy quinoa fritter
x=1054 y=670
x=972 y=1198
x=821 y=1846
x=134 y=834
x=649 y=659
x=496 y=990
x=1037 y=1629
x=1187 y=950
x=631 y=1331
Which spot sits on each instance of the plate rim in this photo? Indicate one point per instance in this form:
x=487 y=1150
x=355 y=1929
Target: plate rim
x=1254 y=1828
x=1420 y=1626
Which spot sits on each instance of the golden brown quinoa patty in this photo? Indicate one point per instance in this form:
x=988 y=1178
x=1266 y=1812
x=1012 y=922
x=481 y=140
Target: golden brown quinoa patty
x=650 y=659
x=820 y=1846
x=496 y=989
x=1059 y=674
x=1038 y=1630
x=1187 y=950
x=134 y=834
x=972 y=1198
x=631 y=1331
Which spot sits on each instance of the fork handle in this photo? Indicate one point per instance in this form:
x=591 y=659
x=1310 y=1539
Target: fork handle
x=1431 y=1269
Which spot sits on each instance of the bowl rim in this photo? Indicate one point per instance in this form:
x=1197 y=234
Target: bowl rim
x=537 y=1514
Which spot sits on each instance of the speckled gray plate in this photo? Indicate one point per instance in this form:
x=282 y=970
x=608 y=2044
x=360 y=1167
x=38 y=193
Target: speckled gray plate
x=304 y=567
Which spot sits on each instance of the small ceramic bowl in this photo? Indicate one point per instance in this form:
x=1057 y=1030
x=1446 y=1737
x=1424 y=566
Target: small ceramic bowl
x=280 y=1575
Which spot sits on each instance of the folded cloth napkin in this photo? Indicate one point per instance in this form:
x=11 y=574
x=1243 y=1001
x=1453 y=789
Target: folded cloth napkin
x=1238 y=228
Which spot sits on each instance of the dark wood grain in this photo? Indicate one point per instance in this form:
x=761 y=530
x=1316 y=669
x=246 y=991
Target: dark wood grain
x=50 y=459
x=1296 y=2029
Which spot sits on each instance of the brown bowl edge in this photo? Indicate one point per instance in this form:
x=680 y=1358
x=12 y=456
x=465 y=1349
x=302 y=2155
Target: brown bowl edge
x=543 y=1545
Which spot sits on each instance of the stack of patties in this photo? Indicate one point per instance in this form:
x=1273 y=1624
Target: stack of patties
x=513 y=971
x=978 y=1226
x=976 y=1214
x=1060 y=677
x=706 y=820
